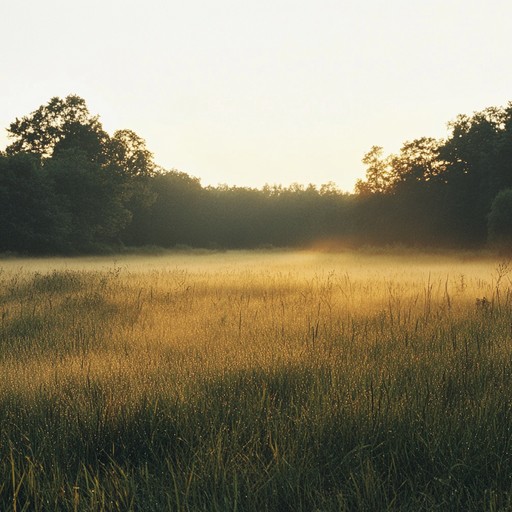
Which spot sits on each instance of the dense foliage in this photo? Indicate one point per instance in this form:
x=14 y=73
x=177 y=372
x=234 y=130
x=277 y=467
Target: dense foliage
x=68 y=186
x=441 y=191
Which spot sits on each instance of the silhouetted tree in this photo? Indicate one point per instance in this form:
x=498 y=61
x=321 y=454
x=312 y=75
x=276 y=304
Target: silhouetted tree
x=100 y=181
x=380 y=177
x=472 y=175
x=128 y=152
x=59 y=125
x=128 y=156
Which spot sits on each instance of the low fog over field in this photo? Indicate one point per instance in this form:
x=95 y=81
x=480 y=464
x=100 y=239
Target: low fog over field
x=256 y=381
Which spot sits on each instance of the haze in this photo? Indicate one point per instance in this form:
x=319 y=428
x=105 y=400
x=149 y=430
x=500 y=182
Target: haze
x=261 y=92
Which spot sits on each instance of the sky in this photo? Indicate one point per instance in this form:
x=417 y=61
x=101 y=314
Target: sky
x=269 y=91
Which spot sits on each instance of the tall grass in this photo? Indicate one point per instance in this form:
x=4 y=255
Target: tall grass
x=253 y=382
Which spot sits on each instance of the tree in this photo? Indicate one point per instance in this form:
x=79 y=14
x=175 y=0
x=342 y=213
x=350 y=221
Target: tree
x=128 y=156
x=379 y=175
x=101 y=181
x=475 y=172
x=59 y=125
x=418 y=161
x=128 y=152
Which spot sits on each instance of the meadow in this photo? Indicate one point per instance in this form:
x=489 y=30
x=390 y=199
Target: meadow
x=256 y=381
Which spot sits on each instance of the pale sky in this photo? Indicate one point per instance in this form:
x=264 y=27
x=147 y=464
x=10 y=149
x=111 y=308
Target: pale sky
x=268 y=91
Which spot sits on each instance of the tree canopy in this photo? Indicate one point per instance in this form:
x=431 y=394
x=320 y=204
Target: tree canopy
x=440 y=192
x=66 y=185
x=60 y=124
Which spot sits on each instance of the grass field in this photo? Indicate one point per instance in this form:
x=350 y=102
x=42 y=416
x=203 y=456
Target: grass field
x=264 y=381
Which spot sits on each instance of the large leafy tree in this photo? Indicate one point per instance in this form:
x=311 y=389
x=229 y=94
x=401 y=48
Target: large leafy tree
x=475 y=172
x=418 y=161
x=96 y=179
x=128 y=152
x=440 y=191
x=59 y=125
x=128 y=157
x=418 y=189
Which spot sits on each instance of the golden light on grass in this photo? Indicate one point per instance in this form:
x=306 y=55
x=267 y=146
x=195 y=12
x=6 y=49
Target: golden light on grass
x=252 y=379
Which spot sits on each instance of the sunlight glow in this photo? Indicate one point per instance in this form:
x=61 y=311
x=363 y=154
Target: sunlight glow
x=269 y=92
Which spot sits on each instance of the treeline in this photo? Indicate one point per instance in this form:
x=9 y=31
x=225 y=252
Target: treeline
x=66 y=186
x=184 y=212
x=449 y=192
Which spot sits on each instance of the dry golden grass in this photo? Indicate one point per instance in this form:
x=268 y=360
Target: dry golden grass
x=208 y=314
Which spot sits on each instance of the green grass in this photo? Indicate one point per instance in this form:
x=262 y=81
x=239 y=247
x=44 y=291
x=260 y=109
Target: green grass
x=256 y=382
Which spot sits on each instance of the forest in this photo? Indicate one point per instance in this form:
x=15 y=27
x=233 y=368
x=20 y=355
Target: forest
x=69 y=187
